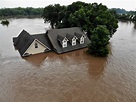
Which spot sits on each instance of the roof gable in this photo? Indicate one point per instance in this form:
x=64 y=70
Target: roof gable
x=42 y=44
x=43 y=38
x=71 y=36
x=61 y=38
x=79 y=35
x=36 y=47
x=23 y=41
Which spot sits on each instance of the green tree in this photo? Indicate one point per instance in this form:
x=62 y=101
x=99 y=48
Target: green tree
x=20 y=12
x=88 y=17
x=53 y=14
x=71 y=9
x=99 y=41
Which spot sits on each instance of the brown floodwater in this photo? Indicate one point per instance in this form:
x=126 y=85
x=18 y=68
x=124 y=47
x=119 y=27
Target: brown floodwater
x=69 y=77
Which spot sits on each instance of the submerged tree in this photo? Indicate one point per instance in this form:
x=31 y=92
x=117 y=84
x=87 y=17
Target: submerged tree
x=88 y=17
x=99 y=41
x=5 y=22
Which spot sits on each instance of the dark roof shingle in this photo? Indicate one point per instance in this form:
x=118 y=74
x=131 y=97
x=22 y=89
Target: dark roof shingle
x=60 y=38
x=52 y=34
x=51 y=39
x=43 y=38
x=23 y=41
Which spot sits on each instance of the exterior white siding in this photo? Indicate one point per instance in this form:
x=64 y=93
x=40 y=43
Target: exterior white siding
x=73 y=41
x=35 y=48
x=64 y=43
x=82 y=40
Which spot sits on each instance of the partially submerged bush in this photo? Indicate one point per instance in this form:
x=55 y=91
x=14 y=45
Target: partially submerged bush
x=5 y=22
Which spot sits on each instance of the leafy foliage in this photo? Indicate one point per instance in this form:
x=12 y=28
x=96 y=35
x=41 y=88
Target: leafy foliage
x=99 y=41
x=53 y=14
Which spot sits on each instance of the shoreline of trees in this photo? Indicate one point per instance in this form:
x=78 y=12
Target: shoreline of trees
x=19 y=12
x=124 y=15
x=30 y=12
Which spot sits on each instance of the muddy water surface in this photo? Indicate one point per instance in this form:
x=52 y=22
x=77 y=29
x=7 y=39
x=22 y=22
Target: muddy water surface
x=69 y=77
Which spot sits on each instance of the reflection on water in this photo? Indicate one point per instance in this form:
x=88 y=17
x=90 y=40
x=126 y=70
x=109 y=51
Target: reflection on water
x=135 y=25
x=5 y=25
x=70 y=77
x=79 y=56
x=36 y=60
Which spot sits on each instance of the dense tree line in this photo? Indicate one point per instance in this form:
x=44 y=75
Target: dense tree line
x=120 y=11
x=127 y=17
x=20 y=12
x=122 y=14
x=96 y=19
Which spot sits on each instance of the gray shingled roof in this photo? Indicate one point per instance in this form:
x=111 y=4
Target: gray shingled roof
x=23 y=41
x=53 y=33
x=69 y=36
x=60 y=38
x=43 y=38
x=78 y=35
x=51 y=39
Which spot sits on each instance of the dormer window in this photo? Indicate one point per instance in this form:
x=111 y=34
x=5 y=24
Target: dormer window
x=72 y=39
x=62 y=40
x=82 y=40
x=81 y=37
x=64 y=43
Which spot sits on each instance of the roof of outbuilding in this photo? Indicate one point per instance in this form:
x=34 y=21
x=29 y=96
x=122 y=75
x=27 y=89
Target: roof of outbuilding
x=53 y=33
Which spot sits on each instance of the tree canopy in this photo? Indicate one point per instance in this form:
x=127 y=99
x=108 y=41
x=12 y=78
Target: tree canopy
x=99 y=41
x=95 y=19
x=124 y=15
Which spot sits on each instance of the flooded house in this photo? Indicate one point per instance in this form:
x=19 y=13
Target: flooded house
x=58 y=40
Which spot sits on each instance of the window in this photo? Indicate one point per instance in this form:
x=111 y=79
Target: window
x=36 y=45
x=64 y=45
x=81 y=40
x=73 y=41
